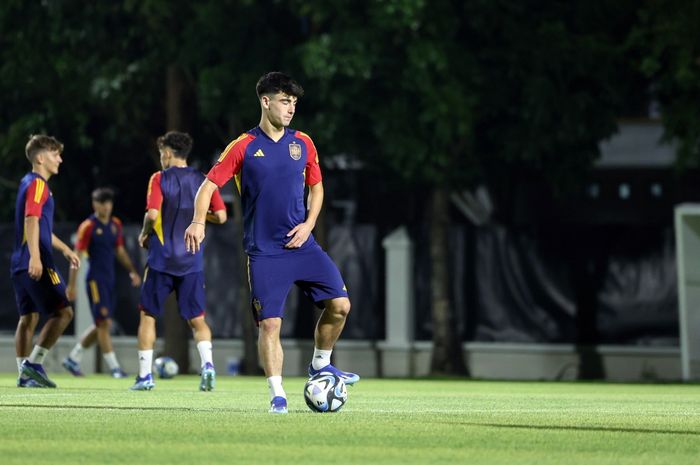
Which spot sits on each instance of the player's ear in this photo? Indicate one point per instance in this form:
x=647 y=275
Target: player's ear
x=265 y=101
x=39 y=158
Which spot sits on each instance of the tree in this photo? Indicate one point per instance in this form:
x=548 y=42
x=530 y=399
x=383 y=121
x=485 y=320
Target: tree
x=396 y=87
x=436 y=95
x=667 y=43
x=447 y=94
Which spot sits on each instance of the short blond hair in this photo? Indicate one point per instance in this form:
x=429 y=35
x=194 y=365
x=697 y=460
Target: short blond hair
x=39 y=143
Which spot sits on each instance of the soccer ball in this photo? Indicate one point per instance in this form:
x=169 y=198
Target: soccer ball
x=166 y=367
x=325 y=392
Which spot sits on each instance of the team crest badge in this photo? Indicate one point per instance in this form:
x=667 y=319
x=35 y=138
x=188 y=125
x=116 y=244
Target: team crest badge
x=98 y=231
x=295 y=151
x=257 y=305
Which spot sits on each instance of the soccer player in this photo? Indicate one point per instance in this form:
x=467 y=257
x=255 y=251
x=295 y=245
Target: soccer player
x=271 y=163
x=37 y=283
x=100 y=237
x=170 y=205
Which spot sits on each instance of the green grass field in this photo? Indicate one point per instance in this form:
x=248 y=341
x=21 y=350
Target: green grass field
x=96 y=420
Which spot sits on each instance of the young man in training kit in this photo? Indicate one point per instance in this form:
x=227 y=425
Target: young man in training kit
x=169 y=209
x=272 y=164
x=100 y=238
x=37 y=283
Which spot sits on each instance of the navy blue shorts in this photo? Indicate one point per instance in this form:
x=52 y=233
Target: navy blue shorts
x=46 y=295
x=271 y=278
x=102 y=298
x=189 y=290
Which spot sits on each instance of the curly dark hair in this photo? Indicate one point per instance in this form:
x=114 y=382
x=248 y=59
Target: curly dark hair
x=179 y=142
x=274 y=82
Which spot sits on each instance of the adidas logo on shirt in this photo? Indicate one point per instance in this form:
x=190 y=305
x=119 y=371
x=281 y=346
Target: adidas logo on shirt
x=259 y=153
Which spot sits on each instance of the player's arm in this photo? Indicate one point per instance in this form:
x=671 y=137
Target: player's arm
x=123 y=256
x=217 y=217
x=194 y=234
x=67 y=252
x=126 y=262
x=229 y=163
x=301 y=232
x=217 y=209
x=31 y=231
x=36 y=196
x=82 y=243
x=154 y=200
x=73 y=277
x=149 y=219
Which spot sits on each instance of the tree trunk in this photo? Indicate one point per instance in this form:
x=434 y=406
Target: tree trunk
x=250 y=364
x=177 y=332
x=179 y=100
x=447 y=355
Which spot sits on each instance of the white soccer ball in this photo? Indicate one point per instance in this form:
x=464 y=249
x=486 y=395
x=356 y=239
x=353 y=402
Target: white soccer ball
x=166 y=367
x=325 y=392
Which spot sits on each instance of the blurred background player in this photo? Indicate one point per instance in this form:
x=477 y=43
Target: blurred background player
x=100 y=237
x=272 y=163
x=170 y=206
x=37 y=283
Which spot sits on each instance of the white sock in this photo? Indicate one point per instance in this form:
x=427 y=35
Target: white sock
x=38 y=355
x=205 y=352
x=275 y=384
x=321 y=358
x=145 y=362
x=111 y=359
x=77 y=353
x=19 y=364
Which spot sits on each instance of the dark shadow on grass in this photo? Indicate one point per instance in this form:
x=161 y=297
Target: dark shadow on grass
x=596 y=429
x=115 y=407
x=138 y=409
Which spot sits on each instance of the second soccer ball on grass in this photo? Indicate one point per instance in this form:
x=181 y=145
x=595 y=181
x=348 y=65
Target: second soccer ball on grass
x=165 y=367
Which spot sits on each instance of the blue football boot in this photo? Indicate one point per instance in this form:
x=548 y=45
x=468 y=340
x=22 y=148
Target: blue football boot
x=143 y=384
x=278 y=405
x=208 y=378
x=347 y=377
x=25 y=382
x=72 y=366
x=36 y=372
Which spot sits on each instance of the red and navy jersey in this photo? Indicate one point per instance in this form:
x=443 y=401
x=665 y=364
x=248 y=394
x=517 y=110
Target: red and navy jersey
x=172 y=193
x=271 y=178
x=100 y=241
x=33 y=199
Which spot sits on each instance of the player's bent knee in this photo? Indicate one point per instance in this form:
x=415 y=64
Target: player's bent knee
x=340 y=307
x=198 y=323
x=28 y=320
x=65 y=313
x=270 y=325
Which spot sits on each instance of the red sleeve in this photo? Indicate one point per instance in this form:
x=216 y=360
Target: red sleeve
x=313 y=169
x=154 y=196
x=84 y=235
x=36 y=196
x=230 y=162
x=217 y=203
x=120 y=232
